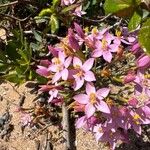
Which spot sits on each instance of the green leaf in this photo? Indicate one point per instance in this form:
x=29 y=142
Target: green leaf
x=11 y=50
x=122 y=7
x=46 y=12
x=37 y=36
x=54 y=22
x=144 y=36
x=135 y=21
x=56 y=3
x=3 y=56
x=3 y=67
x=13 y=77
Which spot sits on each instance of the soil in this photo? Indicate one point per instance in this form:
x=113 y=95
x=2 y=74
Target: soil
x=32 y=139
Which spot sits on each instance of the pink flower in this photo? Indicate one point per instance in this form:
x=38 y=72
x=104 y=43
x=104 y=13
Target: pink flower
x=82 y=72
x=93 y=100
x=67 y=2
x=59 y=67
x=110 y=136
x=86 y=123
x=53 y=94
x=105 y=48
x=78 y=11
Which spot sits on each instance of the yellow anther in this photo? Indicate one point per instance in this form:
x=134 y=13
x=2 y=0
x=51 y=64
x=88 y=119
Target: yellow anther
x=92 y=98
x=100 y=130
x=118 y=33
x=80 y=73
x=56 y=61
x=94 y=30
x=136 y=118
x=77 y=67
x=104 y=43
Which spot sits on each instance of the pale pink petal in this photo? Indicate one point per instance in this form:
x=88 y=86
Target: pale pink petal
x=68 y=62
x=64 y=74
x=113 y=47
x=103 y=107
x=137 y=129
x=97 y=53
x=89 y=76
x=61 y=56
x=98 y=44
x=88 y=64
x=89 y=110
x=77 y=62
x=108 y=37
x=102 y=93
x=107 y=56
x=117 y=41
x=78 y=83
x=81 y=98
x=98 y=136
x=131 y=39
x=56 y=77
x=53 y=68
x=90 y=88
x=80 y=122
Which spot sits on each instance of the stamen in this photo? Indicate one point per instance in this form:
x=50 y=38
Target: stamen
x=92 y=98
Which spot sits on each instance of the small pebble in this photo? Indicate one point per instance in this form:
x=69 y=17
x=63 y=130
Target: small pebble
x=1 y=98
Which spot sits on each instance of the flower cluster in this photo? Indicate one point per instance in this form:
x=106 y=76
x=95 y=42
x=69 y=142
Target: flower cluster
x=82 y=74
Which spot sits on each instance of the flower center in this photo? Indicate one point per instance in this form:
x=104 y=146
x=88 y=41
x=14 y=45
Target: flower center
x=56 y=61
x=92 y=98
x=80 y=73
x=118 y=33
x=100 y=130
x=77 y=67
x=104 y=44
x=136 y=118
x=95 y=31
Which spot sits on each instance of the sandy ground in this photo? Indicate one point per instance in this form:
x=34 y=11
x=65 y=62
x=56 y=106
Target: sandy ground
x=30 y=140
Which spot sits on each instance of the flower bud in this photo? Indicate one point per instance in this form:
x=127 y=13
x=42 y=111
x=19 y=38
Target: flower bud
x=133 y=102
x=143 y=62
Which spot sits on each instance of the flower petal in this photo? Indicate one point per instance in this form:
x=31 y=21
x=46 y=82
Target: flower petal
x=113 y=47
x=61 y=56
x=78 y=83
x=64 y=74
x=89 y=110
x=79 y=30
x=88 y=64
x=68 y=62
x=89 y=76
x=90 y=88
x=81 y=98
x=80 y=122
x=56 y=77
x=102 y=93
x=103 y=107
x=97 y=53
x=107 y=56
x=77 y=62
